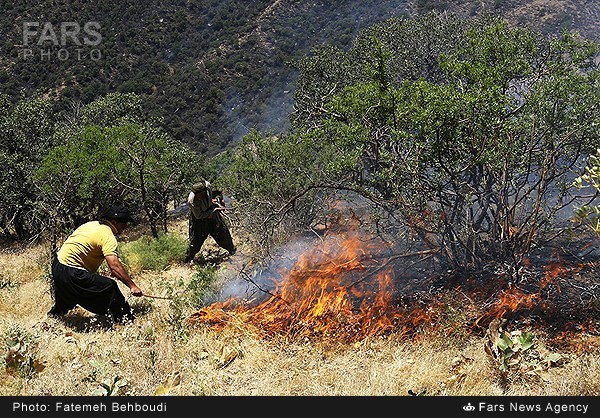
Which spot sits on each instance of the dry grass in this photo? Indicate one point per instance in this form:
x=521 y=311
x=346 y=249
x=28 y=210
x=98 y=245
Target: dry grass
x=159 y=350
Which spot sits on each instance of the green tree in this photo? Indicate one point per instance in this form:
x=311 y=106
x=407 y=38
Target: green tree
x=156 y=170
x=109 y=155
x=114 y=109
x=467 y=142
x=26 y=132
x=273 y=177
x=77 y=179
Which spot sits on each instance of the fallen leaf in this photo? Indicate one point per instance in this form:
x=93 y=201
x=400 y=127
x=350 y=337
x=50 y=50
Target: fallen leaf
x=170 y=383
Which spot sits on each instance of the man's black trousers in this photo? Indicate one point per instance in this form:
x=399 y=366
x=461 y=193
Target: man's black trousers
x=93 y=292
x=200 y=229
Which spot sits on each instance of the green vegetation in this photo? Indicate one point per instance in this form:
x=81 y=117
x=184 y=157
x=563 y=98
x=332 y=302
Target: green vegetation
x=467 y=143
x=113 y=155
x=209 y=70
x=21 y=357
x=62 y=170
x=193 y=296
x=518 y=353
x=199 y=289
x=26 y=134
x=463 y=132
x=589 y=213
x=204 y=75
x=148 y=253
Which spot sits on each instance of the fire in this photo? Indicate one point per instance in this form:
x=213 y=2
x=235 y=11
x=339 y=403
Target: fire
x=341 y=289
x=347 y=287
x=509 y=301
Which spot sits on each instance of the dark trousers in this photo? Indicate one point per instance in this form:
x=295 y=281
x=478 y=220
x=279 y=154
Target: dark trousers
x=200 y=229
x=93 y=292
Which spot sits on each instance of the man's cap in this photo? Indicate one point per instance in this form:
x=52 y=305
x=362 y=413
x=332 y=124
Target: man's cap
x=200 y=186
x=118 y=213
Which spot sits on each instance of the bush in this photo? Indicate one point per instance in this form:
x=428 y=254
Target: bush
x=21 y=355
x=196 y=292
x=199 y=287
x=147 y=253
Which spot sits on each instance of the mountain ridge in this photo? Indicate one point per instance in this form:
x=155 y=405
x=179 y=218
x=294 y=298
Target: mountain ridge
x=212 y=70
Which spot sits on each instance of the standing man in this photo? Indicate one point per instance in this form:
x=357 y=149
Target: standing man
x=74 y=269
x=206 y=219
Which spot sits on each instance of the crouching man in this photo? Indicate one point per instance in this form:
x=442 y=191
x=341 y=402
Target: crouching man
x=74 y=269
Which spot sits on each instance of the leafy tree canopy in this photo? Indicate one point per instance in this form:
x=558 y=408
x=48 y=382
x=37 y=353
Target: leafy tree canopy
x=26 y=132
x=464 y=131
x=110 y=155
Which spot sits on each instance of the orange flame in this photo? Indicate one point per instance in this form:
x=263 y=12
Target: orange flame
x=508 y=301
x=336 y=290
x=344 y=289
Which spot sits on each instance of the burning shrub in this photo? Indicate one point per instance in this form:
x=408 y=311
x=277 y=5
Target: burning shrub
x=348 y=285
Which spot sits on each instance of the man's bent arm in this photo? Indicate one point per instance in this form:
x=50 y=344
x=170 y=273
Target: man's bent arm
x=118 y=270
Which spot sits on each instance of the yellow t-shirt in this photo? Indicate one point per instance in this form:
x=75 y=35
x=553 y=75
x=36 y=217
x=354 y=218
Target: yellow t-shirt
x=87 y=246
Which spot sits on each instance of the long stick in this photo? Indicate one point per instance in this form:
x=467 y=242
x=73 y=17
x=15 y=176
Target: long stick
x=156 y=297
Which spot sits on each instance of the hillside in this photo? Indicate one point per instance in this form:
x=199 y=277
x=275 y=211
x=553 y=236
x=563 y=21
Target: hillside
x=162 y=352
x=417 y=233
x=211 y=70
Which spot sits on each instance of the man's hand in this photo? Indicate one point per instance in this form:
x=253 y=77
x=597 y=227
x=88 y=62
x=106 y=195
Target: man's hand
x=118 y=270
x=219 y=204
x=136 y=291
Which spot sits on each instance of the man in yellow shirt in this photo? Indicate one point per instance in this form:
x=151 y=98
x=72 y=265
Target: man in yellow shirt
x=74 y=269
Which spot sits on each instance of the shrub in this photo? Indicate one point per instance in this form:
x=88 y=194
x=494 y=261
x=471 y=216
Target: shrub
x=197 y=291
x=21 y=355
x=199 y=287
x=147 y=253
